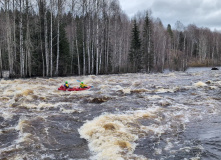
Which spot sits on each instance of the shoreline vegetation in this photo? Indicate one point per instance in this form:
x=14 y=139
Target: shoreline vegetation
x=206 y=63
x=61 y=38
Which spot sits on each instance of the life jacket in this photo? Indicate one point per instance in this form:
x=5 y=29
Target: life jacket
x=83 y=85
x=66 y=85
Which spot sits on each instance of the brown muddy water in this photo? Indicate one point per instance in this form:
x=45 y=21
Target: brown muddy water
x=168 y=116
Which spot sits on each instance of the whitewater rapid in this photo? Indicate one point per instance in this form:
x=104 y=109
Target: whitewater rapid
x=125 y=116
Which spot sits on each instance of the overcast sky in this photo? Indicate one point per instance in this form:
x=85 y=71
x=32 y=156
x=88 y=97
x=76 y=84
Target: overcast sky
x=202 y=13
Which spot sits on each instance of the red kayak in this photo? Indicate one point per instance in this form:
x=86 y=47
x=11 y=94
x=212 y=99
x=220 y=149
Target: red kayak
x=78 y=89
x=73 y=89
x=62 y=88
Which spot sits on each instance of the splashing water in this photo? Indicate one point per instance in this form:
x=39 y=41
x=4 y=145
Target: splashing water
x=167 y=116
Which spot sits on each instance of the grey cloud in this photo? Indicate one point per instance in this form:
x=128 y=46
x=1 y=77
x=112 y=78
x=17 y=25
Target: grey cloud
x=203 y=13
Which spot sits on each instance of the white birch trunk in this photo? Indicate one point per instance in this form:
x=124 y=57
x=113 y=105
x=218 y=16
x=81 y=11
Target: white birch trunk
x=120 y=55
x=92 y=50
x=43 y=63
x=84 y=58
x=108 y=43
x=115 y=45
x=51 y=39
x=163 y=54
x=100 y=56
x=0 y=62
x=92 y=59
x=72 y=36
x=28 y=45
x=97 y=41
x=217 y=50
x=72 y=45
x=46 y=39
x=88 y=51
x=58 y=36
x=9 y=41
x=88 y=40
x=78 y=56
x=14 y=33
x=22 y=57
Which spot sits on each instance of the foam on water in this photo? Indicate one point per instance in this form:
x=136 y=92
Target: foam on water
x=128 y=116
x=111 y=135
x=200 y=84
x=7 y=115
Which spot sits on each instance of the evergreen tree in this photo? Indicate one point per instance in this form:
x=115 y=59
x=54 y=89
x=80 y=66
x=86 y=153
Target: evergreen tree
x=169 y=30
x=65 y=58
x=170 y=46
x=181 y=41
x=148 y=44
x=135 y=48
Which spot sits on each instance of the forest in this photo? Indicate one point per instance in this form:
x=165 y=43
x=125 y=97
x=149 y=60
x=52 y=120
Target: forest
x=50 y=38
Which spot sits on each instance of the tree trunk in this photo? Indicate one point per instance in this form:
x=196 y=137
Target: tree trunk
x=9 y=40
x=46 y=39
x=51 y=39
x=115 y=45
x=72 y=36
x=42 y=55
x=22 y=57
x=217 y=52
x=0 y=62
x=58 y=36
x=88 y=41
x=92 y=57
x=14 y=34
x=108 y=43
x=84 y=58
x=40 y=6
x=92 y=50
x=78 y=56
x=97 y=40
x=83 y=28
x=100 y=60
x=28 y=44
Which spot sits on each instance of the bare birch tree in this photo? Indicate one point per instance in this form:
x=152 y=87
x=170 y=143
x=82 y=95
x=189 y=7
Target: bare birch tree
x=97 y=36
x=78 y=56
x=0 y=61
x=83 y=35
x=46 y=38
x=28 y=42
x=89 y=35
x=9 y=39
x=51 y=38
x=22 y=55
x=14 y=32
x=41 y=15
x=72 y=34
x=59 y=12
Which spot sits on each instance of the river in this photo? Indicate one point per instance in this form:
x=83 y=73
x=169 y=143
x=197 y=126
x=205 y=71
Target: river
x=164 y=116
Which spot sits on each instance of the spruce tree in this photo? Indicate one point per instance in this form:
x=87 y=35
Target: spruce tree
x=65 y=58
x=135 y=51
x=169 y=30
x=148 y=44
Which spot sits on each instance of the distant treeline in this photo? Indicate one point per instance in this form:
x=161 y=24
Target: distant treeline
x=80 y=37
